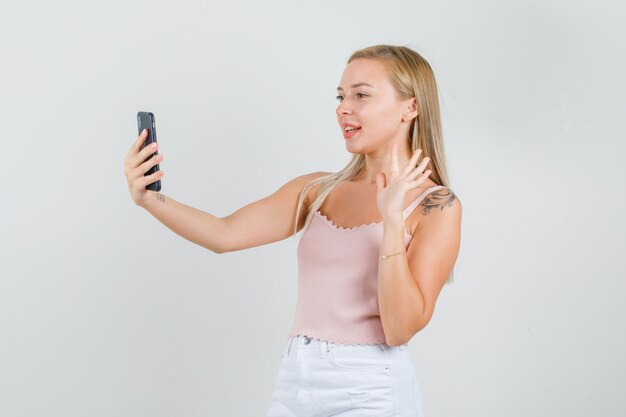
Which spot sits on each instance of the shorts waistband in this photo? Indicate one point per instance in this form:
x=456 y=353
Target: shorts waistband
x=324 y=346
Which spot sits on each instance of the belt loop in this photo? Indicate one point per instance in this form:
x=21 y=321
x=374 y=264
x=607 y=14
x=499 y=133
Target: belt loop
x=386 y=349
x=323 y=347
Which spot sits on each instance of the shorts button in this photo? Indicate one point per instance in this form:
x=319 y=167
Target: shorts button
x=306 y=340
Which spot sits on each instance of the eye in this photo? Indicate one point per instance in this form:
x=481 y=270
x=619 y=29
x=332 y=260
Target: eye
x=361 y=95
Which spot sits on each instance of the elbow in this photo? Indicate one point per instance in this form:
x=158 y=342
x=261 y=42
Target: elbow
x=220 y=250
x=405 y=338
x=223 y=244
x=395 y=343
x=397 y=340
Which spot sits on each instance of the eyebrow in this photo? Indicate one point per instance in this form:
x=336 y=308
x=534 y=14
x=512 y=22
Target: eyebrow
x=356 y=85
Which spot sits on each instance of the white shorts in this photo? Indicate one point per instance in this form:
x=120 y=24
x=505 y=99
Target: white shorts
x=321 y=379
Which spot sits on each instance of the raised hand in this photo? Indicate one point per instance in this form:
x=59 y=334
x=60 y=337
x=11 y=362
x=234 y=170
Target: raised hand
x=391 y=192
x=135 y=168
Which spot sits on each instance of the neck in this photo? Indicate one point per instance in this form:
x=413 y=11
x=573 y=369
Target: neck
x=381 y=161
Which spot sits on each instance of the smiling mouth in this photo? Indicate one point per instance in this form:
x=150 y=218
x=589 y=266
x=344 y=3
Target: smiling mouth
x=349 y=133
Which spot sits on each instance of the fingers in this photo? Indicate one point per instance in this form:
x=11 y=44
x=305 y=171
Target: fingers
x=131 y=156
x=149 y=179
x=417 y=182
x=143 y=168
x=423 y=164
x=145 y=153
x=138 y=161
x=140 y=140
x=418 y=170
x=136 y=154
x=417 y=177
x=411 y=165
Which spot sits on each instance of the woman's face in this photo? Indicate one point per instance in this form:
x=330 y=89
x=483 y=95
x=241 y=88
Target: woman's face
x=375 y=107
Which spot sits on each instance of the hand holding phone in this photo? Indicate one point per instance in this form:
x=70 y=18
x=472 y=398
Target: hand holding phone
x=145 y=120
x=141 y=165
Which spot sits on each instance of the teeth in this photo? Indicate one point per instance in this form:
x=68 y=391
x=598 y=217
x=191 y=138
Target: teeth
x=348 y=128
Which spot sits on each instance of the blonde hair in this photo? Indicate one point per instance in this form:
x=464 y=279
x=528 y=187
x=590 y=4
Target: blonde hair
x=412 y=76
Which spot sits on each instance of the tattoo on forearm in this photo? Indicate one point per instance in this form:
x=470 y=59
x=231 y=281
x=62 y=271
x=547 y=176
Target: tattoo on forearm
x=440 y=198
x=160 y=197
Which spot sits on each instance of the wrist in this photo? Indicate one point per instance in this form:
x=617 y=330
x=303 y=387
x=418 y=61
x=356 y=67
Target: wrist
x=382 y=257
x=148 y=200
x=393 y=223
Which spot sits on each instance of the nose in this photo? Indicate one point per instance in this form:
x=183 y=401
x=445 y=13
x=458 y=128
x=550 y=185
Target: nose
x=343 y=108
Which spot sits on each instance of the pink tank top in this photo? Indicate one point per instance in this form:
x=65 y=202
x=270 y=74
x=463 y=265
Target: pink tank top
x=338 y=280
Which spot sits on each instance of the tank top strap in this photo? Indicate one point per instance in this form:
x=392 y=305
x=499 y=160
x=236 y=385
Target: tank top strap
x=418 y=200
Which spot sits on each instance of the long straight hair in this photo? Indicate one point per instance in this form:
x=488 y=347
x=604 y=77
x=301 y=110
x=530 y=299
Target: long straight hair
x=411 y=76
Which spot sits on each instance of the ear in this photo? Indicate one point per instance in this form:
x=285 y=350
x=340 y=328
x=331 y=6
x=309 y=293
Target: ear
x=411 y=110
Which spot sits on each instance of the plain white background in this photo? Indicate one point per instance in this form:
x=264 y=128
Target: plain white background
x=106 y=312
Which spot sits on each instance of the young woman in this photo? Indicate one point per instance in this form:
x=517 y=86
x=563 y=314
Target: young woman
x=371 y=264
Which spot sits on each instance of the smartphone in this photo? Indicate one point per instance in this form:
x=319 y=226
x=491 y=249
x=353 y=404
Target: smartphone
x=145 y=120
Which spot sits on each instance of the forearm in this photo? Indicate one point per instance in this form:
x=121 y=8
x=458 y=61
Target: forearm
x=192 y=224
x=400 y=301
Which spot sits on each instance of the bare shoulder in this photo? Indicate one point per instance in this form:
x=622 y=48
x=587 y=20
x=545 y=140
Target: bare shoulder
x=315 y=175
x=441 y=204
x=297 y=184
x=312 y=192
x=439 y=200
x=271 y=218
